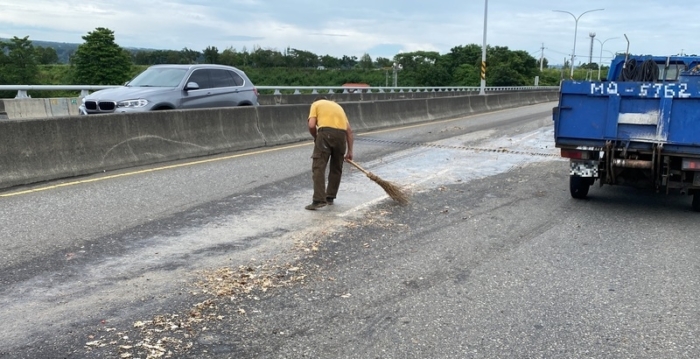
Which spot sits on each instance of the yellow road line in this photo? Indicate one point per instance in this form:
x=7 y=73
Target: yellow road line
x=73 y=183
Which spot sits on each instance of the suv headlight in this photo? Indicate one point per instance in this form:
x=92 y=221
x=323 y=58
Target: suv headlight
x=133 y=103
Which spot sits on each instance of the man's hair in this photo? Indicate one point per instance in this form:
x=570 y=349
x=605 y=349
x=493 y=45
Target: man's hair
x=319 y=98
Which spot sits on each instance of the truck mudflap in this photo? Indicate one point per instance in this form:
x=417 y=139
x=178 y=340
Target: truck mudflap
x=583 y=168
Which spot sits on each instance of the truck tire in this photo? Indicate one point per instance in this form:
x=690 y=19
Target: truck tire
x=696 y=202
x=578 y=186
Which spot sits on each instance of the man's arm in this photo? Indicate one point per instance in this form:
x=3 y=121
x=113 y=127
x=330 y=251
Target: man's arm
x=312 y=126
x=350 y=140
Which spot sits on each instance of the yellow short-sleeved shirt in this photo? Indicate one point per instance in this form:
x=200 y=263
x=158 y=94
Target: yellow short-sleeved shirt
x=329 y=114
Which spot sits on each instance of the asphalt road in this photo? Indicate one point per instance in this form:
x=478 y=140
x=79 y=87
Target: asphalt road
x=216 y=257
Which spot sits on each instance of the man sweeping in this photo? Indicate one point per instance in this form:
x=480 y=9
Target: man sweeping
x=332 y=135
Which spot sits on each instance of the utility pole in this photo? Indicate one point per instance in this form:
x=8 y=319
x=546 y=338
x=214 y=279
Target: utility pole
x=542 y=57
x=396 y=67
x=482 y=90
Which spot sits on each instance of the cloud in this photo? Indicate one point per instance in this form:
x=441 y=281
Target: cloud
x=327 y=34
x=360 y=26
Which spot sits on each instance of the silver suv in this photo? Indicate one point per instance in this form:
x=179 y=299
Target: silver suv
x=168 y=87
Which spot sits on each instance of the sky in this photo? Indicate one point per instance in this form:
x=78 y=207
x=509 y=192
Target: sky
x=378 y=27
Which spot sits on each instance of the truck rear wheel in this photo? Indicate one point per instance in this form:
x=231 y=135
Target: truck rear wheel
x=696 y=202
x=578 y=186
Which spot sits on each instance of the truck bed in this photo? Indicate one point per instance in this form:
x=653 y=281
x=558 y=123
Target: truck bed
x=635 y=115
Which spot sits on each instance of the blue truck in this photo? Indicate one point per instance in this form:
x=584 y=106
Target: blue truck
x=638 y=127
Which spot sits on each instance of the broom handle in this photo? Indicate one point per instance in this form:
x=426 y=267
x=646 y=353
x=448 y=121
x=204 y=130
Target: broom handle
x=358 y=167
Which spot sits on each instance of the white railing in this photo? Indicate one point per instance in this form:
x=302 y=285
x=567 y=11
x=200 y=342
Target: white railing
x=85 y=89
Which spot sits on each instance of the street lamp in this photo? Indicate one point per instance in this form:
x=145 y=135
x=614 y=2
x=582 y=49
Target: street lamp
x=576 y=18
x=482 y=90
x=396 y=67
x=600 y=60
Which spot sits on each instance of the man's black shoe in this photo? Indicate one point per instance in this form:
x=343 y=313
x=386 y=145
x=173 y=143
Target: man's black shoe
x=329 y=200
x=315 y=205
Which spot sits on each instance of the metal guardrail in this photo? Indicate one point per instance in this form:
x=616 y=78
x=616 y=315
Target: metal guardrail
x=85 y=89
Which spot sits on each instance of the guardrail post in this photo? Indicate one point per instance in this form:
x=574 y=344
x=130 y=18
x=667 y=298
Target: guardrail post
x=22 y=94
x=277 y=92
x=297 y=92
x=84 y=93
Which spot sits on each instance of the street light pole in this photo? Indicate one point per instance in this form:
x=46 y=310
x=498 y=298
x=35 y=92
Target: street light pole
x=482 y=90
x=576 y=18
x=396 y=67
x=600 y=60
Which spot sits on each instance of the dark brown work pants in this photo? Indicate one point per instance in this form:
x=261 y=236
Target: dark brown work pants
x=329 y=148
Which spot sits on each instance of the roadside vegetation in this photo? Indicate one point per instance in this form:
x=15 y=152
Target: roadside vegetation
x=100 y=61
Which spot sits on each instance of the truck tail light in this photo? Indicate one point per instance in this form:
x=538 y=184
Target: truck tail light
x=691 y=164
x=576 y=154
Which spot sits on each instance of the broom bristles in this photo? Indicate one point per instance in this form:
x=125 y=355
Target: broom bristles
x=391 y=189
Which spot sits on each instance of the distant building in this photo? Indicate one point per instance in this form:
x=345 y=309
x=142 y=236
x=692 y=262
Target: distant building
x=355 y=87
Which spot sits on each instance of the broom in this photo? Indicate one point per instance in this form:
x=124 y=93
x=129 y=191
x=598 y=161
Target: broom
x=390 y=188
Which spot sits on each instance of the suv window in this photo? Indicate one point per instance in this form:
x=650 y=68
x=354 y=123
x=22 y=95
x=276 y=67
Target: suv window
x=221 y=78
x=159 y=77
x=237 y=78
x=201 y=77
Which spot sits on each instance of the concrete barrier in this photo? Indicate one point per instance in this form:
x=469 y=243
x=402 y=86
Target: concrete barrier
x=384 y=114
x=283 y=124
x=34 y=150
x=478 y=104
x=3 y=114
x=25 y=108
x=57 y=107
x=442 y=108
x=508 y=100
x=354 y=112
x=30 y=108
x=45 y=149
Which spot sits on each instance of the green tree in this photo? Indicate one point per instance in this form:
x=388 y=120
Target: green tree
x=46 y=55
x=461 y=55
x=100 y=61
x=267 y=58
x=366 y=62
x=231 y=57
x=423 y=68
x=330 y=62
x=348 y=62
x=185 y=56
x=3 y=63
x=382 y=62
x=301 y=59
x=20 y=65
x=467 y=75
x=211 y=55
x=590 y=66
x=504 y=75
